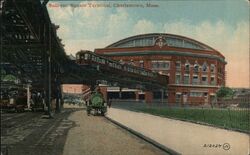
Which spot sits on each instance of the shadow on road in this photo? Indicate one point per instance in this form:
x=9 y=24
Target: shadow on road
x=29 y=133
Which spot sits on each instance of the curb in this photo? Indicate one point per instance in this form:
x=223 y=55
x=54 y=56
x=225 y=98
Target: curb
x=147 y=139
x=190 y=121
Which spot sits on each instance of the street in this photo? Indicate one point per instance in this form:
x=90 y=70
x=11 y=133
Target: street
x=70 y=132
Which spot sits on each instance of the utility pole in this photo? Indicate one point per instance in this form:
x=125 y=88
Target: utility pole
x=49 y=74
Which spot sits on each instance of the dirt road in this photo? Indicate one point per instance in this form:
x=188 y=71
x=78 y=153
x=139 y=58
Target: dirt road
x=95 y=135
x=71 y=132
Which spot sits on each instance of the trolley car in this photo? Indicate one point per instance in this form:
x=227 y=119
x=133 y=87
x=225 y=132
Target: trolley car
x=96 y=103
x=88 y=57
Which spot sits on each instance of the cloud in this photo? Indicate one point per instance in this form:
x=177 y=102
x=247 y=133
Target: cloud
x=144 y=26
x=96 y=28
x=232 y=42
x=119 y=26
x=211 y=33
x=75 y=45
x=81 y=21
x=59 y=13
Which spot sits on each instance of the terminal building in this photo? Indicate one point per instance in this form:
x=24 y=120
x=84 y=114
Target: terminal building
x=195 y=70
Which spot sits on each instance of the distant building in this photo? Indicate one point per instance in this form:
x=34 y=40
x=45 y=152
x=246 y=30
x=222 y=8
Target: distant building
x=195 y=70
x=74 y=88
x=241 y=97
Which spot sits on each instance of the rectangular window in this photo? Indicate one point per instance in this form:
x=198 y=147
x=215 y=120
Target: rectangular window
x=212 y=68
x=204 y=80
x=178 y=97
x=160 y=65
x=154 y=65
x=195 y=79
x=196 y=94
x=163 y=65
x=212 y=81
x=186 y=79
x=177 y=78
x=178 y=65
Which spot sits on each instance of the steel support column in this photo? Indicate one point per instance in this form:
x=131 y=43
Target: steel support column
x=58 y=95
x=47 y=66
x=162 y=95
x=49 y=74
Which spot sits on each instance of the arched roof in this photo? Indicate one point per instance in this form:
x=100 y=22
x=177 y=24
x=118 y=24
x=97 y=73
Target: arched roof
x=151 y=39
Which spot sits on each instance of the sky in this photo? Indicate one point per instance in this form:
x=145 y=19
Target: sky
x=221 y=24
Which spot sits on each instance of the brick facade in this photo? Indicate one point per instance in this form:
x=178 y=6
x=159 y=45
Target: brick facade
x=194 y=74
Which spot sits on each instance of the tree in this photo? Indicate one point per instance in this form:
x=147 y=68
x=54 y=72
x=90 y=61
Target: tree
x=225 y=92
x=9 y=77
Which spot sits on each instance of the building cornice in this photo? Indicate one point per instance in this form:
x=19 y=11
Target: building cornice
x=195 y=86
x=171 y=53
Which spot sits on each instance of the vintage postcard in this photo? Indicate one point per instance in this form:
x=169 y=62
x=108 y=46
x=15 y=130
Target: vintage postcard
x=125 y=77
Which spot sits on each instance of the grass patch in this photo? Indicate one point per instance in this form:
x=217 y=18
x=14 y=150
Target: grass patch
x=237 y=119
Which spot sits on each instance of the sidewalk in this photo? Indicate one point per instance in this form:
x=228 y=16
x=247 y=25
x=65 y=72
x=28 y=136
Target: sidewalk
x=183 y=137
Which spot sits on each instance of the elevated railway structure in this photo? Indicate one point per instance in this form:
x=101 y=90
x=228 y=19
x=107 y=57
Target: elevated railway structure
x=116 y=72
x=29 y=42
x=30 y=45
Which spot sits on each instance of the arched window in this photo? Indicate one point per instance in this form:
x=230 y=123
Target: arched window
x=212 y=68
x=204 y=67
x=196 y=67
x=187 y=66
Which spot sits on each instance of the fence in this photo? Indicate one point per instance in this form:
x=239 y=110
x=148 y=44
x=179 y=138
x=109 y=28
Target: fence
x=230 y=117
